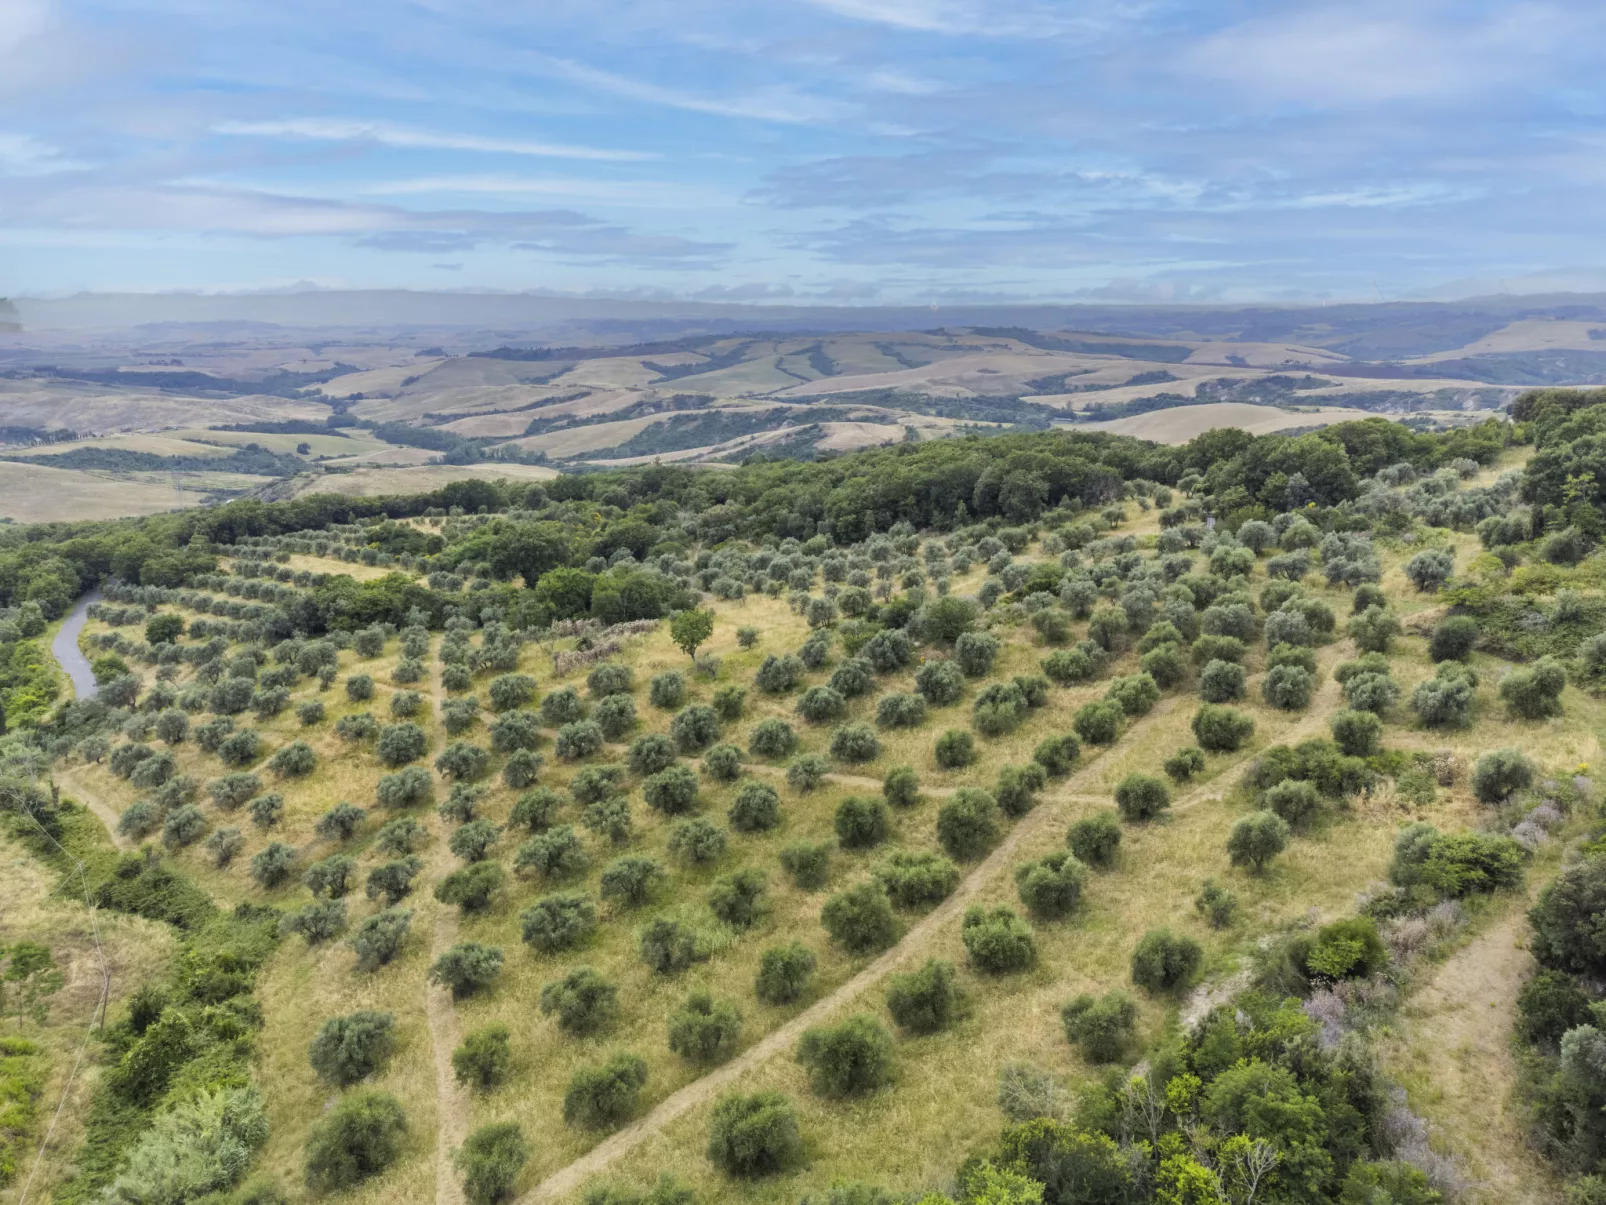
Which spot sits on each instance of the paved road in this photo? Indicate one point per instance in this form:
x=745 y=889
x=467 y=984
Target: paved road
x=65 y=648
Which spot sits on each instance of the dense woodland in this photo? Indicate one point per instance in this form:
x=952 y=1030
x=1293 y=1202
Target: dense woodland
x=1263 y=553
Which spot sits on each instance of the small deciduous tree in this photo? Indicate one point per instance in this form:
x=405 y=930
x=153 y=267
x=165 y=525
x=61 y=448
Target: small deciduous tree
x=1256 y=839
x=1142 y=797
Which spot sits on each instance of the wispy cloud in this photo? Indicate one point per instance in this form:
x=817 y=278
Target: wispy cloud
x=777 y=103
x=335 y=129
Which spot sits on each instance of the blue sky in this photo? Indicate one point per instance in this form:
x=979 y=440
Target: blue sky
x=806 y=150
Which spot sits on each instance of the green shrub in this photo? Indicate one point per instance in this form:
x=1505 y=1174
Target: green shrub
x=467 y=968
x=998 y=942
x=602 y=1097
x=1453 y=638
x=1294 y=801
x=723 y=763
x=1101 y=1027
x=917 y=880
x=485 y=1057
x=925 y=1001
x=669 y=946
x=667 y=690
x=1051 y=887
x=1288 y=687
x=347 y=1049
x=1357 y=733
x=582 y=1001
x=379 y=938
x=1058 y=755
x=848 y=1058
x=901 y=787
x=400 y=744
x=318 y=922
x=1345 y=949
x=1373 y=630
x=557 y=922
x=1257 y=838
x=860 y=919
x=754 y=1135
x=1222 y=729
x=1096 y=839
x=615 y=716
x=1549 y=1005
x=967 y=824
x=696 y=841
x=1098 y=723
x=955 y=749
x=471 y=888
x=274 y=864
x=1216 y=904
x=1163 y=962
x=1184 y=764
x=360 y=1137
x=631 y=880
x=490 y=1161
x=772 y=738
x=705 y=1030
x=1455 y=864
x=1534 y=693
x=579 y=740
x=1497 y=775
x=195 y=1150
x=783 y=973
x=756 y=808
x=855 y=744
x=860 y=823
x=809 y=863
x=940 y=683
x=672 y=791
x=1141 y=797
x=807 y=773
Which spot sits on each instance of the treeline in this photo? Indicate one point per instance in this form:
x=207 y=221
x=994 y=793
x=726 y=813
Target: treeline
x=252 y=459
x=940 y=485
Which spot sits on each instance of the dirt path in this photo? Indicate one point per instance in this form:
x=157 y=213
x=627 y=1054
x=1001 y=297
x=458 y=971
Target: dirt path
x=911 y=945
x=102 y=810
x=451 y=1101
x=1453 y=1045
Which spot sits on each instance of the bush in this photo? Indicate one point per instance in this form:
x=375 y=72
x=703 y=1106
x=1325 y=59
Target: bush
x=223 y=845
x=1357 y=733
x=818 y=704
x=406 y=703
x=401 y=743
x=754 y=1135
x=630 y=880
x=490 y=1162
x=672 y=791
x=409 y=787
x=855 y=677
x=1222 y=729
x=1429 y=569
x=1218 y=648
x=1288 y=687
x=1496 y=776
x=184 y=826
x=558 y=922
x=808 y=863
x=1101 y=1027
x=360 y=1137
x=562 y=706
x=1095 y=839
x=1058 y=755
x=976 y=652
x=925 y=1001
x=967 y=824
x=1453 y=638
x=1051 y=887
x=1455 y=864
x=1373 y=630
x=940 y=683
x=1163 y=962
x=1445 y=700
x=1141 y=797
x=233 y=790
x=1567 y=932
x=353 y=1047
x=579 y=740
x=583 y=1001
x=783 y=973
x=238 y=749
x=1165 y=665
x=1015 y=792
x=1070 y=666
x=379 y=938
x=917 y=880
x=267 y=810
x=511 y=691
x=273 y=865
x=471 y=887
x=466 y=968
x=341 y=822
x=317 y=922
x=777 y=675
x=723 y=763
x=705 y=1030
x=955 y=749
x=999 y=708
x=610 y=679
x=514 y=731
x=901 y=787
x=998 y=942
x=1548 y=1006
x=669 y=946
x=331 y=877
x=1098 y=723
x=485 y=1058
x=1534 y=693
x=860 y=919
x=1345 y=949
x=1135 y=694
x=848 y=1058
x=735 y=899
x=807 y=773
x=900 y=711
x=696 y=841
x=756 y=808
x=601 y=1097
x=855 y=744
x=773 y=739
x=860 y=823
x=1216 y=904
x=615 y=715
x=1293 y=800
x=393 y=881
x=1374 y=692
x=1184 y=764
x=556 y=852
x=1257 y=838
x=694 y=729
x=359 y=727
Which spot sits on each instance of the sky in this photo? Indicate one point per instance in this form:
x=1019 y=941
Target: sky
x=833 y=151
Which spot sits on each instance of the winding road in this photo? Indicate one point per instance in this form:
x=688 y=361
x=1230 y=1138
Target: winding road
x=64 y=648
